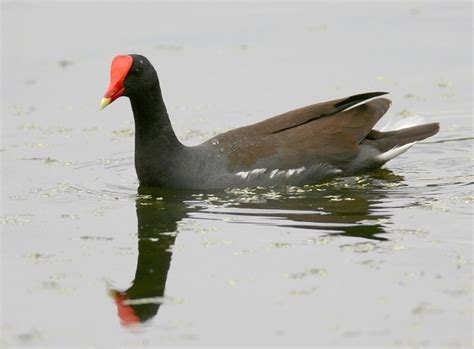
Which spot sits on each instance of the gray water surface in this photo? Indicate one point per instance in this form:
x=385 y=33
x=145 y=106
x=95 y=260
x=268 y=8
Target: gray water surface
x=88 y=259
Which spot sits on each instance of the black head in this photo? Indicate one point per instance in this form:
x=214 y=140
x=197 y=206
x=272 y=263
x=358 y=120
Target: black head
x=130 y=75
x=142 y=76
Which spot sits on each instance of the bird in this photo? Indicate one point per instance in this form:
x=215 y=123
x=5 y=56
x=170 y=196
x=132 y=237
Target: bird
x=299 y=147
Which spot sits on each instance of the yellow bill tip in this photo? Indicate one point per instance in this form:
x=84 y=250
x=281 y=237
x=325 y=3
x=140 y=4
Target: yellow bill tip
x=105 y=102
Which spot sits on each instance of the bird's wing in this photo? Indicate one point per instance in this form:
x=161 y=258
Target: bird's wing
x=327 y=132
x=307 y=114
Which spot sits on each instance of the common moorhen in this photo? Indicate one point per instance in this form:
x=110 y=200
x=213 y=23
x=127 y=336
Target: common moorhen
x=302 y=146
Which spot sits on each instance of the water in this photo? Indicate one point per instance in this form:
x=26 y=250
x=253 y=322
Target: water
x=88 y=259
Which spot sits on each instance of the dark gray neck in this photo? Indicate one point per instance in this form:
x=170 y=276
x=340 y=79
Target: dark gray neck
x=157 y=149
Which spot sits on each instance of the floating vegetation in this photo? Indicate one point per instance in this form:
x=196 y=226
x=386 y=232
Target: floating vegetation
x=97 y=238
x=232 y=282
x=210 y=242
x=126 y=132
x=433 y=204
x=445 y=84
x=338 y=198
x=60 y=188
x=28 y=126
x=40 y=145
x=278 y=245
x=413 y=97
x=448 y=87
x=243 y=252
x=385 y=80
x=20 y=110
x=424 y=309
x=303 y=292
x=37 y=257
x=307 y=273
x=69 y=216
x=372 y=263
x=413 y=232
x=323 y=240
x=100 y=211
x=90 y=129
x=360 y=247
x=50 y=161
x=391 y=246
x=190 y=134
x=405 y=113
x=65 y=63
x=16 y=219
x=365 y=247
x=18 y=197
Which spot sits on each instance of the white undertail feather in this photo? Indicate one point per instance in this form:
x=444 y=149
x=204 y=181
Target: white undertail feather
x=394 y=152
x=393 y=124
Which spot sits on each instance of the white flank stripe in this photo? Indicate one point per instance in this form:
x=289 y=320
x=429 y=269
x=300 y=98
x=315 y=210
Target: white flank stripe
x=243 y=175
x=296 y=171
x=248 y=175
x=256 y=172
x=273 y=173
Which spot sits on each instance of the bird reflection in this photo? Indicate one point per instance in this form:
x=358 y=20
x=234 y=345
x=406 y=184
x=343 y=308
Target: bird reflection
x=158 y=213
x=351 y=206
x=336 y=209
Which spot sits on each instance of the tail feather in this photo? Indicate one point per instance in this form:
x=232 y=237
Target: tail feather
x=386 y=141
